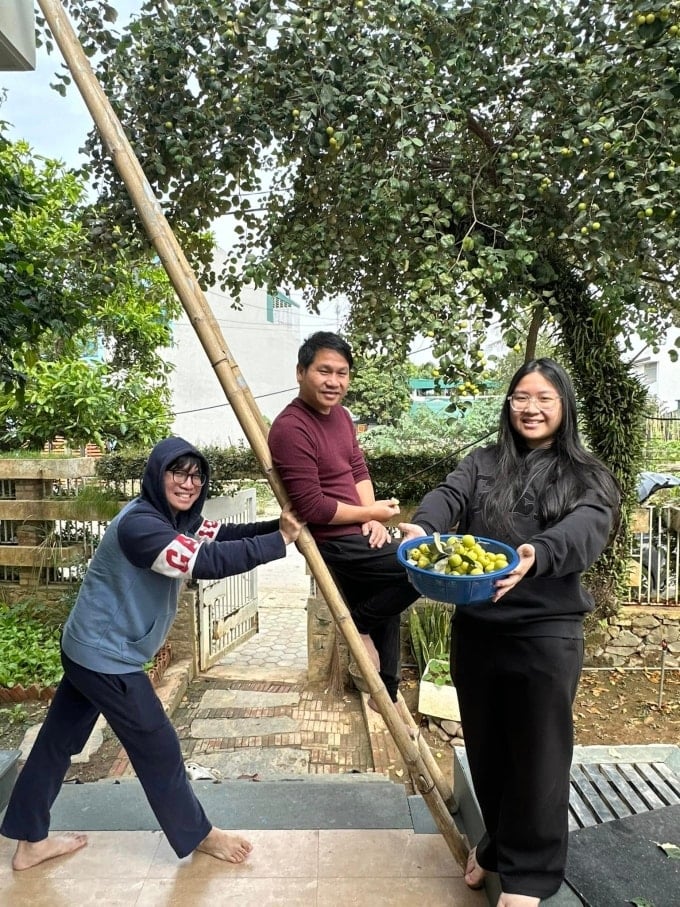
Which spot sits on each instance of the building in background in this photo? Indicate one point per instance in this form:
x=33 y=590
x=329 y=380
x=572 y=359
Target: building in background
x=426 y=393
x=262 y=336
x=17 y=36
x=659 y=373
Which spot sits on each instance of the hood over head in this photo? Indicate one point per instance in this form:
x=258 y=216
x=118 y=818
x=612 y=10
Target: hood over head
x=153 y=480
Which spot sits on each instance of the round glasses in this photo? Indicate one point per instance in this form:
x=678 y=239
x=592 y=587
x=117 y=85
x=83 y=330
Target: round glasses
x=519 y=403
x=179 y=477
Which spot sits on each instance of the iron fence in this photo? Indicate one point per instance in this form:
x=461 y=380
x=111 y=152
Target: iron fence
x=655 y=555
x=654 y=564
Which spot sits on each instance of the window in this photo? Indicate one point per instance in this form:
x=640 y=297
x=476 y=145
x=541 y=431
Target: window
x=282 y=310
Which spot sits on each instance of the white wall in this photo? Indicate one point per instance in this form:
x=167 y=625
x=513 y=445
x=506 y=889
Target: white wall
x=265 y=352
x=661 y=376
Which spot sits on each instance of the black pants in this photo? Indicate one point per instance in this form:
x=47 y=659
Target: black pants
x=516 y=697
x=377 y=590
x=137 y=717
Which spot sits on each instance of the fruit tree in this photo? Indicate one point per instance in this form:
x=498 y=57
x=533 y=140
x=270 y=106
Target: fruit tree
x=439 y=163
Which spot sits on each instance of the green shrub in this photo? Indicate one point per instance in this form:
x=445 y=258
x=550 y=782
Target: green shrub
x=29 y=650
x=475 y=422
x=405 y=461
x=408 y=476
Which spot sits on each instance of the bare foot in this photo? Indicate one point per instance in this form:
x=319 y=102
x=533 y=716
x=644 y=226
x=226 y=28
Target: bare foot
x=223 y=846
x=31 y=853
x=517 y=900
x=371 y=703
x=474 y=873
x=371 y=649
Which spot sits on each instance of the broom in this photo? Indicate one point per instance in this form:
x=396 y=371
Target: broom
x=336 y=684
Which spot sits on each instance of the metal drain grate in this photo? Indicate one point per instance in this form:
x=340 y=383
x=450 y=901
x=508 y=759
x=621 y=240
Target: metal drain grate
x=601 y=792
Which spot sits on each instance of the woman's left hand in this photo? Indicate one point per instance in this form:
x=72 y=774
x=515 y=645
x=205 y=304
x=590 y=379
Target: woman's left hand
x=527 y=558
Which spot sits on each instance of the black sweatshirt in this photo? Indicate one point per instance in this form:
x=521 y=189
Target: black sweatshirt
x=550 y=600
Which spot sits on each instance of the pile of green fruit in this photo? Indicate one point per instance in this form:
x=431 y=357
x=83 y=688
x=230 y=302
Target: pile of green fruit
x=461 y=555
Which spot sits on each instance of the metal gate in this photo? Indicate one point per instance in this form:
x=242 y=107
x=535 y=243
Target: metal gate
x=227 y=608
x=654 y=565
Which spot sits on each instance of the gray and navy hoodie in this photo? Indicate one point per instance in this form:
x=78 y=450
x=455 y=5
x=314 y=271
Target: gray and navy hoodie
x=128 y=599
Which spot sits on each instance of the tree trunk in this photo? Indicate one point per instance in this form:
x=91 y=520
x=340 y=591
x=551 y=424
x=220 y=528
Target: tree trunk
x=613 y=401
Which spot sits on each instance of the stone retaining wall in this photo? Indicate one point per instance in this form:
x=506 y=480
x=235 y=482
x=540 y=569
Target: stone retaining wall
x=632 y=639
x=636 y=638
x=13 y=593
x=327 y=651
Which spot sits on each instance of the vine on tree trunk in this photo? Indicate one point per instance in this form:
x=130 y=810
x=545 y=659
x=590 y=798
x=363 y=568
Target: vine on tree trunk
x=613 y=403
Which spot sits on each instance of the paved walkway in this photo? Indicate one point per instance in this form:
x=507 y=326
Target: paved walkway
x=279 y=651
x=255 y=714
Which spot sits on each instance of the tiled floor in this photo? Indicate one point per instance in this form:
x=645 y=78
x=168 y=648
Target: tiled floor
x=286 y=869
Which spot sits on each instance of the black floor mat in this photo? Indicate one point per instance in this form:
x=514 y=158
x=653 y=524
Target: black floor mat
x=620 y=863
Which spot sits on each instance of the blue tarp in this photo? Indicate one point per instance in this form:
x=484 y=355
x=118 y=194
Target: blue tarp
x=649 y=482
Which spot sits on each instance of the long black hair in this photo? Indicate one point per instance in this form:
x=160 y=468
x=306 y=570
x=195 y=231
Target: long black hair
x=558 y=475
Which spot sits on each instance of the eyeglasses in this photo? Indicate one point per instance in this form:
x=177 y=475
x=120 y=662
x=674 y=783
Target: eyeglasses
x=180 y=476
x=519 y=403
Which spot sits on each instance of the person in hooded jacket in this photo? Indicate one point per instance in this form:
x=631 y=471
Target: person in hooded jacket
x=124 y=610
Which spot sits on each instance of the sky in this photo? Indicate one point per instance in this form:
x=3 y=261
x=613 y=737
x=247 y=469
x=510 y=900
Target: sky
x=54 y=126
x=57 y=127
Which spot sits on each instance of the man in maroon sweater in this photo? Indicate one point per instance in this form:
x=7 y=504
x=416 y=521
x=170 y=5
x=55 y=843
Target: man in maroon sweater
x=314 y=448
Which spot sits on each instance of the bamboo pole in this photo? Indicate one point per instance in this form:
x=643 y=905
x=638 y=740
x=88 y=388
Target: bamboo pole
x=237 y=392
x=443 y=786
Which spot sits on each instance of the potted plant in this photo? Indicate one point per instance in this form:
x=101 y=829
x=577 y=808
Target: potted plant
x=430 y=628
x=437 y=695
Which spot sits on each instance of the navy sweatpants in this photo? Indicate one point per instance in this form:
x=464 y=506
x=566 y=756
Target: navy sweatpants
x=376 y=588
x=137 y=718
x=516 y=697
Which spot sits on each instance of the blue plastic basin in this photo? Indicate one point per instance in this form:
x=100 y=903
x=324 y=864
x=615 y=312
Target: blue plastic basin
x=456 y=590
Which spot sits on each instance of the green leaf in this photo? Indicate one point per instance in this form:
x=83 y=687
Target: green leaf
x=671 y=850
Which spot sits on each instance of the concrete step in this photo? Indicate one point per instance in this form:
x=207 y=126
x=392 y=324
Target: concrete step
x=348 y=801
x=8 y=774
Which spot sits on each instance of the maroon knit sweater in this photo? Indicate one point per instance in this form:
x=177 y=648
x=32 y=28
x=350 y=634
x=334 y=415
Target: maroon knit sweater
x=320 y=463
